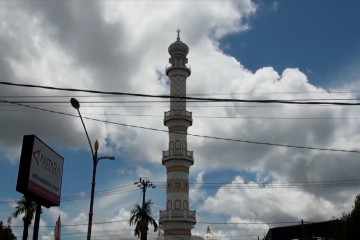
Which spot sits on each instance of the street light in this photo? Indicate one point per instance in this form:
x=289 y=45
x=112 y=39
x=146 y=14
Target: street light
x=75 y=103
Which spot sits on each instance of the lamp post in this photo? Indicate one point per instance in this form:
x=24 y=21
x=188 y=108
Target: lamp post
x=75 y=103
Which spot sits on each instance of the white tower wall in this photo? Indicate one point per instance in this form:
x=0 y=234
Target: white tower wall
x=177 y=220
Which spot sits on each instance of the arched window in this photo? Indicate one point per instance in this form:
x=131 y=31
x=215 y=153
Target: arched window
x=186 y=205
x=177 y=144
x=169 y=205
x=177 y=204
x=184 y=145
x=171 y=145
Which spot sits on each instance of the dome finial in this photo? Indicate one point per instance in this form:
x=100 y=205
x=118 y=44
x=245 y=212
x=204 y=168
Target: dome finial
x=178 y=46
x=178 y=34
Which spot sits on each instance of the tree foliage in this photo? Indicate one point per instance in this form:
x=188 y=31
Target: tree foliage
x=27 y=207
x=350 y=227
x=6 y=232
x=141 y=217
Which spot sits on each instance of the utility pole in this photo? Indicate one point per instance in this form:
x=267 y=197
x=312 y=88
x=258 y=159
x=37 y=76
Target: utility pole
x=143 y=185
x=302 y=230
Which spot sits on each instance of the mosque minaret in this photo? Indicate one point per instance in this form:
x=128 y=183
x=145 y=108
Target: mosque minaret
x=177 y=220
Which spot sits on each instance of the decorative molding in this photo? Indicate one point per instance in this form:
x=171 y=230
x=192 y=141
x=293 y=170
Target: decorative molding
x=177 y=185
x=177 y=232
x=178 y=128
x=177 y=169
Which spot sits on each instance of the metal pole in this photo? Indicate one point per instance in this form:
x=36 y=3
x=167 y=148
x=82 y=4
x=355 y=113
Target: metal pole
x=95 y=161
x=37 y=221
x=87 y=135
x=75 y=103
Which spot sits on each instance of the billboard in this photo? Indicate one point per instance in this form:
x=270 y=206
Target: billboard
x=40 y=172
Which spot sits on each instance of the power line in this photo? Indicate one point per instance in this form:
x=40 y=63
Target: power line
x=263 y=186
x=341 y=91
x=210 y=223
x=214 y=185
x=193 y=135
x=197 y=228
x=229 y=117
x=81 y=197
x=79 y=224
x=144 y=184
x=248 y=223
x=160 y=106
x=210 y=117
x=176 y=97
x=102 y=193
x=167 y=101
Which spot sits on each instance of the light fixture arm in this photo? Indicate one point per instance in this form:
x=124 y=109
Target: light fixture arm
x=87 y=135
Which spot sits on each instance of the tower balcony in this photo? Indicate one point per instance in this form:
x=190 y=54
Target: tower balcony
x=178 y=69
x=178 y=154
x=177 y=215
x=178 y=115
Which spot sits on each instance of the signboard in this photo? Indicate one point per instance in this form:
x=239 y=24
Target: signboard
x=40 y=172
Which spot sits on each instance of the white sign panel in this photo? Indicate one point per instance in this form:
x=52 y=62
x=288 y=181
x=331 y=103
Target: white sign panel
x=45 y=175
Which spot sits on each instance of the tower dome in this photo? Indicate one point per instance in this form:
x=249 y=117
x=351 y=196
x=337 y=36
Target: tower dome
x=209 y=235
x=178 y=46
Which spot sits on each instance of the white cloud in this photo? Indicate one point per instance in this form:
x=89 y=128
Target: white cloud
x=268 y=204
x=196 y=193
x=122 y=46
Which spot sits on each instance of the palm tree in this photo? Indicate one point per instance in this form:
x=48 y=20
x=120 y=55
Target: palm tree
x=141 y=217
x=27 y=207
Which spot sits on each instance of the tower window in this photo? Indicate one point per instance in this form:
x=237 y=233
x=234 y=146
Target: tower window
x=169 y=204
x=177 y=144
x=177 y=204
x=186 y=205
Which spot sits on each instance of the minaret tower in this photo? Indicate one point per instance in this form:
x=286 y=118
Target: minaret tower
x=177 y=220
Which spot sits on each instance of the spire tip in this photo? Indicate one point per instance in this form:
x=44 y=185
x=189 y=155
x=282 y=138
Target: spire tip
x=178 y=34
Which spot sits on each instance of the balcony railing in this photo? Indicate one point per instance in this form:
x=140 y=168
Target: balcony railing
x=178 y=152
x=178 y=214
x=184 y=114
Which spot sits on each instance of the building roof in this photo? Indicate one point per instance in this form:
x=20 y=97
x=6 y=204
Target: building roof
x=319 y=229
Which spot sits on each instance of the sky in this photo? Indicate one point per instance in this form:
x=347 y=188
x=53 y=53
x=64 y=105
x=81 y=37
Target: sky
x=249 y=50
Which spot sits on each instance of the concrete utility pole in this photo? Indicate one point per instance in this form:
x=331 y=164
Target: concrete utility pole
x=143 y=185
x=302 y=230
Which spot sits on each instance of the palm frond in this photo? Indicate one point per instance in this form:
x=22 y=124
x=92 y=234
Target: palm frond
x=141 y=217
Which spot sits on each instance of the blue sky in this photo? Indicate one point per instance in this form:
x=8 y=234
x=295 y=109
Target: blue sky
x=317 y=37
x=261 y=49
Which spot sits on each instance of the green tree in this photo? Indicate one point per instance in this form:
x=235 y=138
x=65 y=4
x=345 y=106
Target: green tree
x=141 y=217
x=351 y=229
x=27 y=207
x=347 y=227
x=6 y=231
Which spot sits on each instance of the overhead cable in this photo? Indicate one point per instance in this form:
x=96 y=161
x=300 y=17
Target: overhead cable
x=214 y=185
x=208 y=117
x=176 y=97
x=193 y=135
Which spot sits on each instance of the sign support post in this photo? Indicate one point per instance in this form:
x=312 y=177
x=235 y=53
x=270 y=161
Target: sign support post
x=37 y=221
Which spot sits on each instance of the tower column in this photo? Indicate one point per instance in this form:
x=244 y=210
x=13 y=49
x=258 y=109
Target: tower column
x=177 y=220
